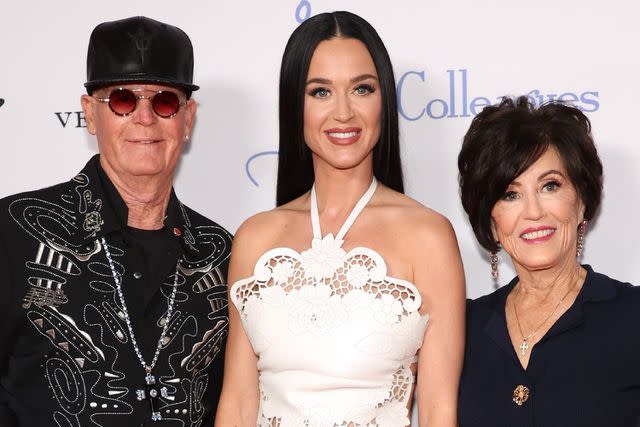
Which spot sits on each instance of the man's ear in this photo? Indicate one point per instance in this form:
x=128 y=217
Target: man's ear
x=88 y=106
x=190 y=117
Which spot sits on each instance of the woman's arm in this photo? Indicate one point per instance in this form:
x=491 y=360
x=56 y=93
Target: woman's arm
x=439 y=275
x=239 y=400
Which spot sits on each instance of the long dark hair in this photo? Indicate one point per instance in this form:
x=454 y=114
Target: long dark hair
x=295 y=167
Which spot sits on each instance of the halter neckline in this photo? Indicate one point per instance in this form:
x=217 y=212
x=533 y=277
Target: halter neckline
x=315 y=216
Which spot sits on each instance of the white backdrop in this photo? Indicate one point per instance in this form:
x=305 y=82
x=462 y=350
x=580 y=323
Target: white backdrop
x=450 y=58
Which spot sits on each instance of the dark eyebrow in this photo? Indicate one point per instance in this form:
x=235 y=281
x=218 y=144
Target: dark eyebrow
x=550 y=172
x=542 y=176
x=357 y=79
x=318 y=80
x=363 y=77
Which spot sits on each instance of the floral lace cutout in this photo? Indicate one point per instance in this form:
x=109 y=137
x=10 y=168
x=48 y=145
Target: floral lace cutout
x=319 y=304
x=334 y=335
x=390 y=413
x=361 y=269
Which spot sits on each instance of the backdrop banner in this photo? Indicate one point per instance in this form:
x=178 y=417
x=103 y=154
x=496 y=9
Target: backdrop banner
x=450 y=59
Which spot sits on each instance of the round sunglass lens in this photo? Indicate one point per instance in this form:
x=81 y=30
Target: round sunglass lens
x=166 y=104
x=122 y=101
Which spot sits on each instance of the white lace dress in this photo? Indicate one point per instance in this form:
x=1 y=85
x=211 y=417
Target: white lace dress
x=334 y=335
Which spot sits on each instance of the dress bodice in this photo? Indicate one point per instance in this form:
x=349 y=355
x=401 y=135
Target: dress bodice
x=335 y=336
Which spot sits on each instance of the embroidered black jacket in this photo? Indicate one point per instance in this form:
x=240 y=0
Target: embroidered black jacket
x=66 y=356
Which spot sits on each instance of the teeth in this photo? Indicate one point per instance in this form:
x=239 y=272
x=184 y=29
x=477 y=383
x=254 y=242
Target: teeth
x=343 y=134
x=537 y=234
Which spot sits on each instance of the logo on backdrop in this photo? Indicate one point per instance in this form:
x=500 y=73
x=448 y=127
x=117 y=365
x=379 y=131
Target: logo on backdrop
x=303 y=11
x=71 y=119
x=1 y=102
x=247 y=165
x=461 y=101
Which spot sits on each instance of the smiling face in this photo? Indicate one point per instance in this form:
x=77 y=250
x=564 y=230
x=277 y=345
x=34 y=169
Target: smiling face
x=141 y=144
x=342 y=108
x=536 y=221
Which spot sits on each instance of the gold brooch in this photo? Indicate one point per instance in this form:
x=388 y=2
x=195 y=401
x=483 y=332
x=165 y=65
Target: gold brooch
x=520 y=395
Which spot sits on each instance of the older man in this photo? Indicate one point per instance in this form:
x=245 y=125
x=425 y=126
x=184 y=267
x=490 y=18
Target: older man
x=113 y=307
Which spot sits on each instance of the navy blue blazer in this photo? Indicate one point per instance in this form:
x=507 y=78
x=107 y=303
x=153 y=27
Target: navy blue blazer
x=585 y=372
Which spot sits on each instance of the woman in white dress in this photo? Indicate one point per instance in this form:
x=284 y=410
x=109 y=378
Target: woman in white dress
x=332 y=331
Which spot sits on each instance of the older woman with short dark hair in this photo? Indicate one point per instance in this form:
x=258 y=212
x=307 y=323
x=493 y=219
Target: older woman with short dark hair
x=556 y=346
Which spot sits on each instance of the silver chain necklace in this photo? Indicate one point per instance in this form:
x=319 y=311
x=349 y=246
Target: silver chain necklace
x=150 y=388
x=525 y=339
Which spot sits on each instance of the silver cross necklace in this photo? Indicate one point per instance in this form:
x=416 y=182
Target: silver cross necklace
x=150 y=388
x=525 y=344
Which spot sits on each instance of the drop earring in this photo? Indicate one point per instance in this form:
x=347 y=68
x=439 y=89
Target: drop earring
x=581 y=231
x=494 y=265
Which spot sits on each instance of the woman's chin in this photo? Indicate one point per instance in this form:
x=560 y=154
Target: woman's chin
x=543 y=262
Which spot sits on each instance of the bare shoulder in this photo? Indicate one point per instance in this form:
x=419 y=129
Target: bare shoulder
x=429 y=243
x=422 y=224
x=259 y=233
x=261 y=229
x=260 y=225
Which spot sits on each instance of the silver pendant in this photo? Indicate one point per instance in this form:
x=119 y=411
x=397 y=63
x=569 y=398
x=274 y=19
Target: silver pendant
x=150 y=379
x=153 y=393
